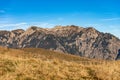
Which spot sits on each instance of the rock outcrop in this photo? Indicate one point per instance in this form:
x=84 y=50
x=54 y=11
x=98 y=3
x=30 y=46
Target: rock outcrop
x=118 y=55
x=86 y=42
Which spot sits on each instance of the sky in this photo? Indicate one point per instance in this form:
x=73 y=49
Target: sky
x=104 y=15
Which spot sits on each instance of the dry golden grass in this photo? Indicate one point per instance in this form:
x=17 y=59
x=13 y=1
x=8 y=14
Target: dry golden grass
x=41 y=64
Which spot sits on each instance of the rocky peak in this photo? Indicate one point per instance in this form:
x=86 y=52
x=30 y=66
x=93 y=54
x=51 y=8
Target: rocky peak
x=65 y=31
x=18 y=31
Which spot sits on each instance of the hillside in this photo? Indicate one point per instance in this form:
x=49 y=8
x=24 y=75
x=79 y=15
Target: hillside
x=41 y=64
x=85 y=42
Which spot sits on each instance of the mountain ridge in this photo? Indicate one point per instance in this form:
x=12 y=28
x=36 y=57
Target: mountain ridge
x=86 y=42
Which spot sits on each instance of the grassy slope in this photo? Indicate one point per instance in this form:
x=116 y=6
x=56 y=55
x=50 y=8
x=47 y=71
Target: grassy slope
x=40 y=64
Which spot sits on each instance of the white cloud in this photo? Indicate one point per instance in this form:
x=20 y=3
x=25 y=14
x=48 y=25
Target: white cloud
x=110 y=19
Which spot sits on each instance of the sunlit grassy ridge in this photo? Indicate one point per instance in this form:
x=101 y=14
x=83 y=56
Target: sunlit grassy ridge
x=41 y=64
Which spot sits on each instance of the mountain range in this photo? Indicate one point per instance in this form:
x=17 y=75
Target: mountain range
x=85 y=42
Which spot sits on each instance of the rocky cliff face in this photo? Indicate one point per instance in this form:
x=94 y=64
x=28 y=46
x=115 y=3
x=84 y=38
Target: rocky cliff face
x=86 y=42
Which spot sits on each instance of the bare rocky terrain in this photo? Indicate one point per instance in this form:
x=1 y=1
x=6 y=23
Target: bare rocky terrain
x=85 y=42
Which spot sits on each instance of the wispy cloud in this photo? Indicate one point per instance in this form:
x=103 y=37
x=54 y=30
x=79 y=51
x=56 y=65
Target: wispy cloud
x=2 y=11
x=25 y=25
x=110 y=19
x=17 y=24
x=115 y=30
x=94 y=25
x=60 y=19
x=42 y=24
x=13 y=26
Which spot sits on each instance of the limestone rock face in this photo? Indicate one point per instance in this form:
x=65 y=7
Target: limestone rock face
x=86 y=42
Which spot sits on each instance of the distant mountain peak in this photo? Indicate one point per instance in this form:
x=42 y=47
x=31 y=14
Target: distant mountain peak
x=86 y=42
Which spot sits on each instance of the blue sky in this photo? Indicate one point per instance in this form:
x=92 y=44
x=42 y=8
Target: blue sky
x=104 y=15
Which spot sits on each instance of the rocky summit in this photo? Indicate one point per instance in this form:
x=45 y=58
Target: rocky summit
x=86 y=42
